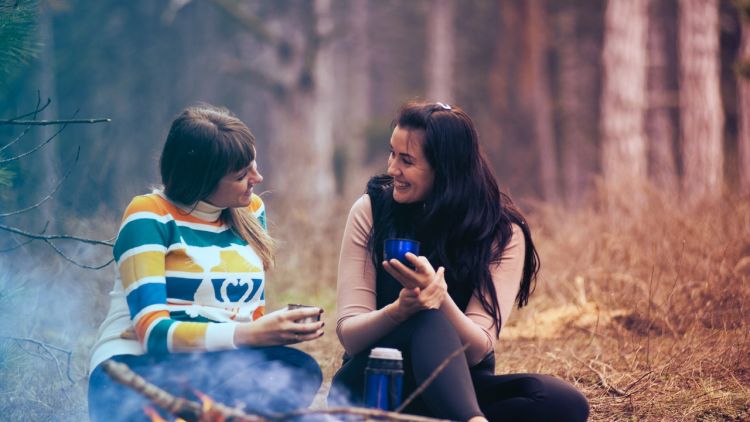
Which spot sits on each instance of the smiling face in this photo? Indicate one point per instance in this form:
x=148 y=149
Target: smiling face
x=235 y=189
x=413 y=176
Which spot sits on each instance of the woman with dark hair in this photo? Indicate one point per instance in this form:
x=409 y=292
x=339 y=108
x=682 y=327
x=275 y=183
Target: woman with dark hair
x=477 y=260
x=188 y=307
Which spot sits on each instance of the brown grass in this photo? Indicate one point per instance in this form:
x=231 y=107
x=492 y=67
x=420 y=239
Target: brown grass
x=644 y=308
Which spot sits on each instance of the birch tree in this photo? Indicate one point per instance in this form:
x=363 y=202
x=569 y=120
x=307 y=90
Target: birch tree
x=623 y=94
x=701 y=113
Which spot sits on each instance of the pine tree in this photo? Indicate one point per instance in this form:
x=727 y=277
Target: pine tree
x=18 y=44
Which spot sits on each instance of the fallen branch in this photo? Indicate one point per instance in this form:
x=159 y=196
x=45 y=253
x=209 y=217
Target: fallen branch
x=426 y=383
x=603 y=381
x=192 y=411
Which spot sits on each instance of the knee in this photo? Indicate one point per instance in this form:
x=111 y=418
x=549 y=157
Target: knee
x=562 y=400
x=305 y=364
x=431 y=319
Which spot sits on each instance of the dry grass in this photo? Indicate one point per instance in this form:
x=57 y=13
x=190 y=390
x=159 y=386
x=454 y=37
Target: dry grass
x=645 y=309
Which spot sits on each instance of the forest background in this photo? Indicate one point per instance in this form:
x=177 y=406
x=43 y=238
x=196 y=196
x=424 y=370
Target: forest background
x=622 y=129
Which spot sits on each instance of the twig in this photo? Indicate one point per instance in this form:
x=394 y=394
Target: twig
x=53 y=122
x=603 y=381
x=46 y=198
x=177 y=406
x=426 y=383
x=12 y=248
x=46 y=347
x=37 y=109
x=192 y=411
x=358 y=411
x=56 y=236
x=36 y=148
x=74 y=262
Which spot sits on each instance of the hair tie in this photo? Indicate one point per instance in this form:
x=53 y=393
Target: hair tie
x=444 y=106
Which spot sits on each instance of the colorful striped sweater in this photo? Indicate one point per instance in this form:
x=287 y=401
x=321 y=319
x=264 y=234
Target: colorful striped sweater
x=184 y=280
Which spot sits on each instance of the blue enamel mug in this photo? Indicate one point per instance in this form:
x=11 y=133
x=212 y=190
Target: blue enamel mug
x=397 y=248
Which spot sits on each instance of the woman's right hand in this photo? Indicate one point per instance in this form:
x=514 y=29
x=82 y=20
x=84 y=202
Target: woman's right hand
x=279 y=328
x=413 y=300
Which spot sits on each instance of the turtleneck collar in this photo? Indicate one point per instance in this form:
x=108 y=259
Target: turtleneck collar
x=202 y=210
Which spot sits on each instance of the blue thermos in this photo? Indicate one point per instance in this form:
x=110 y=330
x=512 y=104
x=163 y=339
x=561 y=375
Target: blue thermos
x=384 y=379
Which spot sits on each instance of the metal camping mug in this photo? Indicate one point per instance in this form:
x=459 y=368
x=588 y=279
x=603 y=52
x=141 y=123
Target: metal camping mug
x=306 y=320
x=384 y=379
x=397 y=248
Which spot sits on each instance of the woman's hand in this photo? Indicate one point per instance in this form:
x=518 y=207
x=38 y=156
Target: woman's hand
x=413 y=300
x=279 y=328
x=421 y=276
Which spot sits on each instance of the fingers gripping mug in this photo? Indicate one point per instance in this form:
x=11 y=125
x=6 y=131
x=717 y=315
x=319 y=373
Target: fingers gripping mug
x=397 y=248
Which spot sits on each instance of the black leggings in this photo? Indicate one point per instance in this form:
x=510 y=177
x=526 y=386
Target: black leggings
x=460 y=392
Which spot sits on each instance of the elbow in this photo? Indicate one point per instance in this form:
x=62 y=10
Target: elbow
x=476 y=353
x=344 y=337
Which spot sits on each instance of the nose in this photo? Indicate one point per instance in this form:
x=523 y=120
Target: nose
x=392 y=168
x=256 y=178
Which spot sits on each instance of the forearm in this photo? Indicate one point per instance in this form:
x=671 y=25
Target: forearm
x=357 y=332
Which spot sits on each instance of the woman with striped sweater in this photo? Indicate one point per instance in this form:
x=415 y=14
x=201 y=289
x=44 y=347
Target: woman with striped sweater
x=187 y=310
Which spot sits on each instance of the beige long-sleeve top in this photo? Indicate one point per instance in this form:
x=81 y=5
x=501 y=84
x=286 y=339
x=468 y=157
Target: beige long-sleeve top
x=360 y=324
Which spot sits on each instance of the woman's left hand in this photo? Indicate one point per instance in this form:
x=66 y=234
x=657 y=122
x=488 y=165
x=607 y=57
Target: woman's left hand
x=421 y=276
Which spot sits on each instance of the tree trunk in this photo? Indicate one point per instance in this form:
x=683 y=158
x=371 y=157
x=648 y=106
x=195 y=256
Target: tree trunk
x=623 y=95
x=743 y=82
x=440 y=51
x=701 y=114
x=578 y=54
x=661 y=125
x=540 y=109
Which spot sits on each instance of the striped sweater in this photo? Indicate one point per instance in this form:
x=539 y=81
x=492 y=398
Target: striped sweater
x=184 y=280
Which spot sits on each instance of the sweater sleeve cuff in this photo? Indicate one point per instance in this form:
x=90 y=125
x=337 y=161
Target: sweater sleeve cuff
x=220 y=336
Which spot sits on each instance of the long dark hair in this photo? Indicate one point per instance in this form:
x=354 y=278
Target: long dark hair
x=204 y=144
x=466 y=221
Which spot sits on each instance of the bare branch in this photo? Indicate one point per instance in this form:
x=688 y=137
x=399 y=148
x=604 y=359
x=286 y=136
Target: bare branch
x=603 y=381
x=37 y=109
x=46 y=348
x=53 y=122
x=16 y=246
x=253 y=24
x=192 y=411
x=46 y=198
x=18 y=138
x=426 y=383
x=109 y=242
x=74 y=262
x=38 y=147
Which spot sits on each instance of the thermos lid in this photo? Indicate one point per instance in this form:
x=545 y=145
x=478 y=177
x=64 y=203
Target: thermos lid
x=385 y=353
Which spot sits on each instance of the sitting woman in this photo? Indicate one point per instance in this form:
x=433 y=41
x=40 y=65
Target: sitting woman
x=478 y=259
x=187 y=309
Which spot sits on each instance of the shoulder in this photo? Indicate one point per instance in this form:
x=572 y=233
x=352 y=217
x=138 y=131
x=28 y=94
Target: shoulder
x=152 y=203
x=517 y=242
x=360 y=214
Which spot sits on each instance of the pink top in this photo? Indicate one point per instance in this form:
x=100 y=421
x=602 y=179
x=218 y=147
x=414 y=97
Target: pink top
x=359 y=323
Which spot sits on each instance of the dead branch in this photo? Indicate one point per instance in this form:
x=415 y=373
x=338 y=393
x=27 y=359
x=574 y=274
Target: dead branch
x=426 y=383
x=48 y=237
x=192 y=411
x=177 y=406
x=46 y=348
x=38 y=109
x=603 y=381
x=49 y=195
x=52 y=122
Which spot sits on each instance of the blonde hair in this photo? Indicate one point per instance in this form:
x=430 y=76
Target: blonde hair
x=204 y=144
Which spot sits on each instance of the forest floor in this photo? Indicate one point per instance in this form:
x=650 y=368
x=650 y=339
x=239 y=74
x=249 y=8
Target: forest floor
x=645 y=309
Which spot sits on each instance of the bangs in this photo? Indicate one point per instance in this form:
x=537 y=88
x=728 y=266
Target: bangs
x=236 y=152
